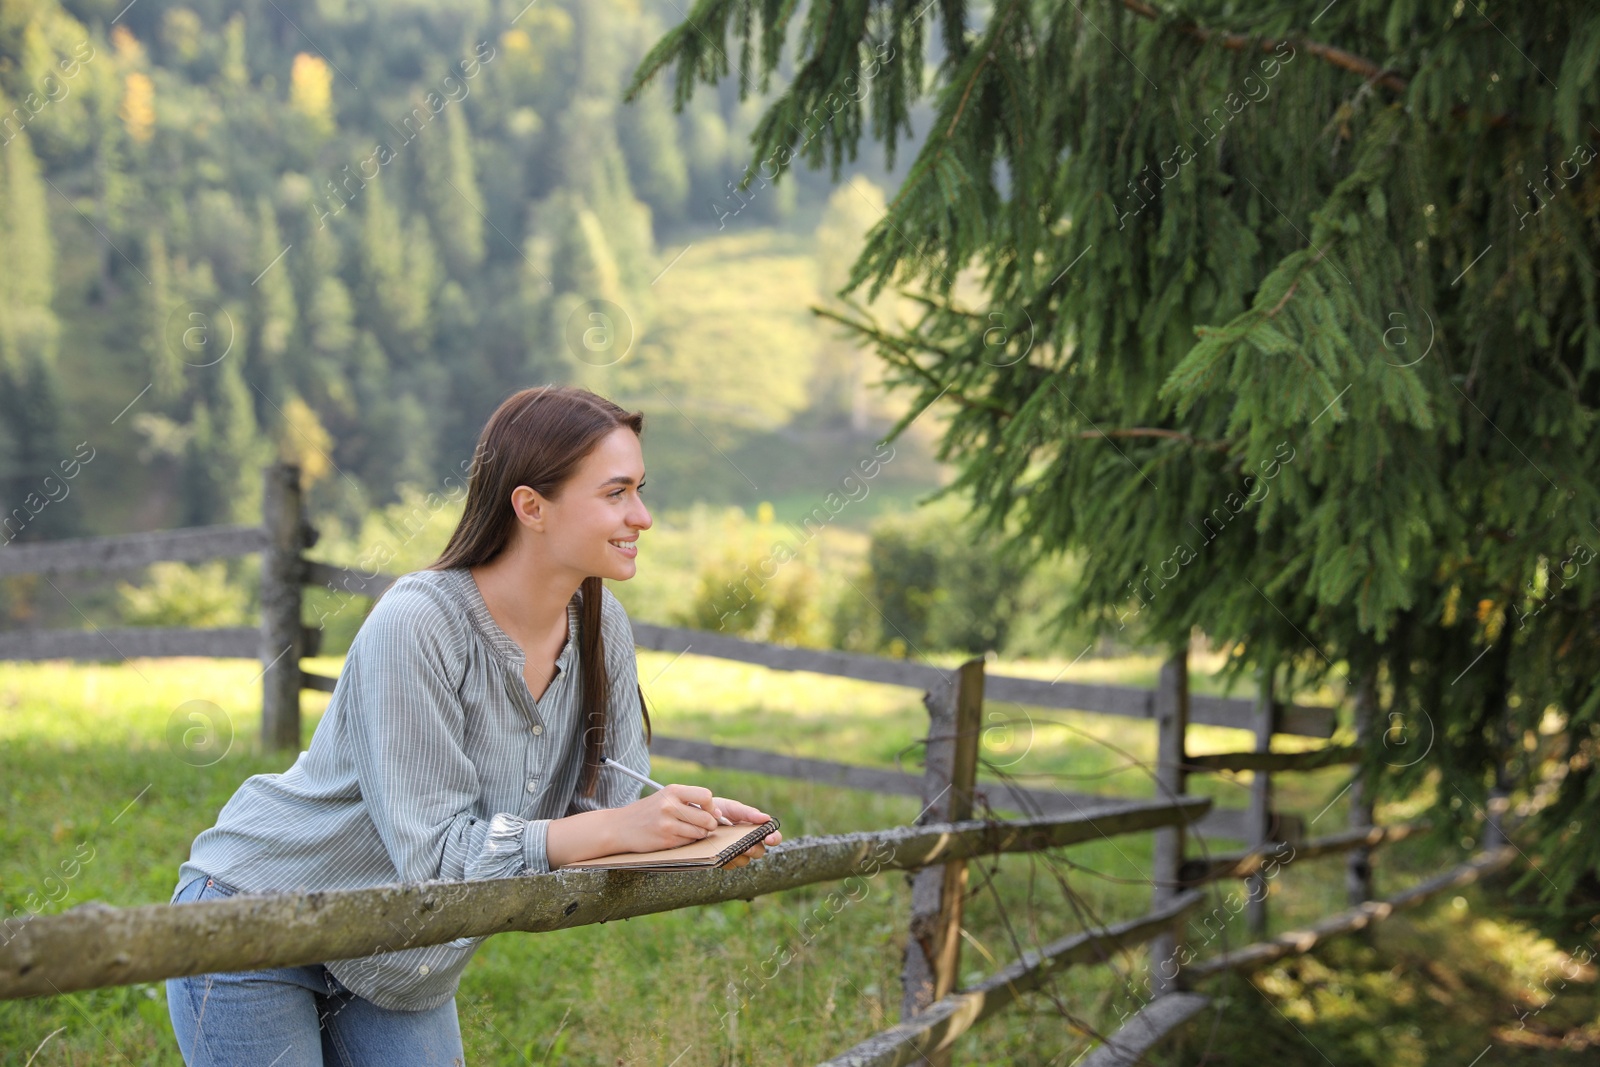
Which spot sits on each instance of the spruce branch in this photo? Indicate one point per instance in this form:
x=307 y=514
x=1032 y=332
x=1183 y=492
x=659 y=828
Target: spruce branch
x=1155 y=431
x=898 y=349
x=1238 y=42
x=1338 y=57
x=988 y=54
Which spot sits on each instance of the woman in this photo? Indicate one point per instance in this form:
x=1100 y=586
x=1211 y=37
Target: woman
x=463 y=740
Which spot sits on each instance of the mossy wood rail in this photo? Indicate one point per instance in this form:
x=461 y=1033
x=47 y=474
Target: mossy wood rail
x=1247 y=863
x=91 y=946
x=936 y=1028
x=1360 y=917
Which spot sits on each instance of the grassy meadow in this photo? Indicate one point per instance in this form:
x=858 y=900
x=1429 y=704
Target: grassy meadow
x=95 y=763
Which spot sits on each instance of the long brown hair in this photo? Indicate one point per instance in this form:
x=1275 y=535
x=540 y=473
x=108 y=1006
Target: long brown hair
x=538 y=438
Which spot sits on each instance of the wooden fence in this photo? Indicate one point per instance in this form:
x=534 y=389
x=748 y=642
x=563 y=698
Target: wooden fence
x=91 y=945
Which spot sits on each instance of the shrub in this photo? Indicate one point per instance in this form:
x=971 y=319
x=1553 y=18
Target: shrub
x=181 y=595
x=753 y=583
x=937 y=585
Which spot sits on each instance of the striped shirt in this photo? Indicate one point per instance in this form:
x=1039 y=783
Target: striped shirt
x=432 y=761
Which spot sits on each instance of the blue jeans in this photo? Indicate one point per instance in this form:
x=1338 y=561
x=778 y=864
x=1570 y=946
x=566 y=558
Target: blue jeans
x=298 y=1017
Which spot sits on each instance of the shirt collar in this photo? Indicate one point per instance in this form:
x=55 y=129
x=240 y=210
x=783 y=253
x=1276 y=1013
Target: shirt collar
x=471 y=597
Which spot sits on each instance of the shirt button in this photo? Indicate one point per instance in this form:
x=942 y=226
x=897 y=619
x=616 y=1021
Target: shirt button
x=422 y=970
x=533 y=784
x=537 y=729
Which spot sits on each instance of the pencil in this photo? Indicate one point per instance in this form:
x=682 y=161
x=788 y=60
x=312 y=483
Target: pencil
x=631 y=773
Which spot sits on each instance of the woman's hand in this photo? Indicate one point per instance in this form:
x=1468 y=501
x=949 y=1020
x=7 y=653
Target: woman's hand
x=737 y=812
x=664 y=819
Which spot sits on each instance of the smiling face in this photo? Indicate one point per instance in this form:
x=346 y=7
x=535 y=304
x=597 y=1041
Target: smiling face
x=598 y=505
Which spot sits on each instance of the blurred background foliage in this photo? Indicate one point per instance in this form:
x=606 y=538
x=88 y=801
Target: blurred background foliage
x=340 y=235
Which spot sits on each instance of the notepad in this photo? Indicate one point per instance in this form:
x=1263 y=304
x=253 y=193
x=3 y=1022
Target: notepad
x=714 y=850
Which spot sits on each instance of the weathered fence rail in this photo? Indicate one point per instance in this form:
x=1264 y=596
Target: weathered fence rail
x=936 y=1027
x=1299 y=942
x=130 y=642
x=1145 y=1030
x=1250 y=862
x=1232 y=823
x=194 y=545
x=1313 y=760
x=1120 y=700
x=93 y=945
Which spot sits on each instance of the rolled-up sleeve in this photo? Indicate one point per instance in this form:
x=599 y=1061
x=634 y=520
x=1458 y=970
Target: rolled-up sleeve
x=404 y=728
x=624 y=716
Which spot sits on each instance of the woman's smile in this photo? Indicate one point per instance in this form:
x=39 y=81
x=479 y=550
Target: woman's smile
x=627 y=547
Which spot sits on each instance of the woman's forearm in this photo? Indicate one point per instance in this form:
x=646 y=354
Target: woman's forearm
x=580 y=837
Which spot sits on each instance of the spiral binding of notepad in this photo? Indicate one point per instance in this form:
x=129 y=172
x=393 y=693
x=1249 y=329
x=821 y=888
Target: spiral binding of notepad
x=744 y=843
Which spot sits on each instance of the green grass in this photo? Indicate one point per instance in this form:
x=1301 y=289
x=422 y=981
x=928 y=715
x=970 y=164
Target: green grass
x=94 y=763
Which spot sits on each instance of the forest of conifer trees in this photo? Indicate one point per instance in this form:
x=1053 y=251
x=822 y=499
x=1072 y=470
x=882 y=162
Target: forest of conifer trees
x=366 y=227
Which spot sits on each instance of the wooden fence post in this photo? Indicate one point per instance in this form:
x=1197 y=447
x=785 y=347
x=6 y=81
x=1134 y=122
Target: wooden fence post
x=1499 y=801
x=283 y=639
x=1261 y=804
x=1172 y=722
x=933 y=947
x=1358 y=864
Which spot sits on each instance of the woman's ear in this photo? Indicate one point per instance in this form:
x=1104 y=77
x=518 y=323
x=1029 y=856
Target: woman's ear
x=529 y=507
